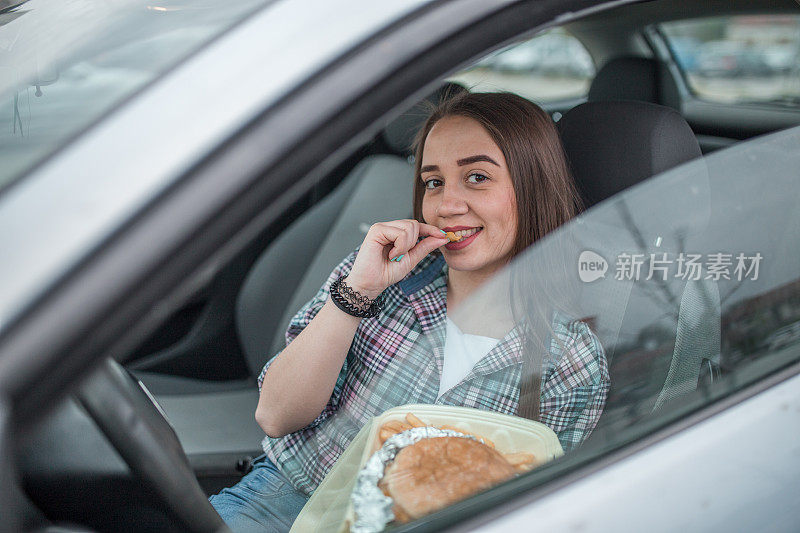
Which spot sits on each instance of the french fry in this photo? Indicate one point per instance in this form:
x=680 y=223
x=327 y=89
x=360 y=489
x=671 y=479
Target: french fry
x=414 y=421
x=385 y=434
x=394 y=425
x=391 y=428
x=520 y=459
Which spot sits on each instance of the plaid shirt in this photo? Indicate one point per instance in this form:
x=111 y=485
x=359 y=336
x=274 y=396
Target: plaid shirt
x=396 y=358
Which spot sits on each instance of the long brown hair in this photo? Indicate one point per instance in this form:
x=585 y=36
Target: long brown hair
x=543 y=186
x=546 y=198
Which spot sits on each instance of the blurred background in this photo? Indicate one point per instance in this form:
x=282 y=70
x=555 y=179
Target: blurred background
x=739 y=59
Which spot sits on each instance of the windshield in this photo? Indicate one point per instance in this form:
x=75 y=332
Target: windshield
x=65 y=64
x=688 y=284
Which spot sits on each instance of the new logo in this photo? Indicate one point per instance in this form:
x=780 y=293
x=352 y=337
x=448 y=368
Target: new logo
x=591 y=266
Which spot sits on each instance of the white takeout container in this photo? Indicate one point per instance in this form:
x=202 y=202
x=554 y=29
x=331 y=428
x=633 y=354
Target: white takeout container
x=329 y=508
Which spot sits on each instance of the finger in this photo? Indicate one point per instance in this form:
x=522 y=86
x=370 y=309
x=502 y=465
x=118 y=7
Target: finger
x=387 y=236
x=409 y=223
x=402 y=246
x=424 y=247
x=430 y=230
x=385 y=232
x=414 y=226
x=416 y=230
x=406 y=242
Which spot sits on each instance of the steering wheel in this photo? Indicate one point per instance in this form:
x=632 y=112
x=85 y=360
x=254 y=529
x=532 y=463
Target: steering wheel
x=138 y=429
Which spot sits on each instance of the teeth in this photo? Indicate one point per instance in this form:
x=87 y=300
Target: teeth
x=458 y=235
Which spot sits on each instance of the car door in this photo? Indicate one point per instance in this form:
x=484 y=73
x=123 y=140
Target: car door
x=159 y=255
x=92 y=283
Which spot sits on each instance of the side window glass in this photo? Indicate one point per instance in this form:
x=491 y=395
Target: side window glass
x=744 y=59
x=552 y=66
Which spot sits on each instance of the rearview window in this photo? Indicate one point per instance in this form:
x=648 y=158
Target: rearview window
x=754 y=58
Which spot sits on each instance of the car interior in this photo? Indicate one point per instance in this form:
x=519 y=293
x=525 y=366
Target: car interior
x=638 y=118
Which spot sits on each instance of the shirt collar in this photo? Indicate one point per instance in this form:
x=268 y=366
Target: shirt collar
x=508 y=352
x=426 y=289
x=423 y=275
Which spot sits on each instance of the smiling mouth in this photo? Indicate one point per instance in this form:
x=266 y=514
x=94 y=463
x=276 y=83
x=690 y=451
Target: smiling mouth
x=456 y=236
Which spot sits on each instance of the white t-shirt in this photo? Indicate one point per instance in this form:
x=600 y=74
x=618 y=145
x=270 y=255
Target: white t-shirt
x=462 y=352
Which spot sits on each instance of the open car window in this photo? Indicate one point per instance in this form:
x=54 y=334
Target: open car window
x=689 y=284
x=740 y=59
x=551 y=66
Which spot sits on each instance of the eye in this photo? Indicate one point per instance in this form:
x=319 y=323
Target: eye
x=433 y=183
x=476 y=178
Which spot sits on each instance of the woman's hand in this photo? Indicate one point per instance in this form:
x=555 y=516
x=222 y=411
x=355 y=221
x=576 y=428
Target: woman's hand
x=376 y=266
x=301 y=379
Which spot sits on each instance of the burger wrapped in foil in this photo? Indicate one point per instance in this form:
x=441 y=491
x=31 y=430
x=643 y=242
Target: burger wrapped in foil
x=422 y=470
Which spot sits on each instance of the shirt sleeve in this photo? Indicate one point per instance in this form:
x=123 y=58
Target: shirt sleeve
x=302 y=319
x=574 y=391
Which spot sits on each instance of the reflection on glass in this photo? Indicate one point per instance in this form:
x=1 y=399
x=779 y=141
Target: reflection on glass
x=691 y=282
x=65 y=64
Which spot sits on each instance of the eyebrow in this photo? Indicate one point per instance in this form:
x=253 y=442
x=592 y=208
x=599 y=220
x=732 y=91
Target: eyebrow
x=461 y=162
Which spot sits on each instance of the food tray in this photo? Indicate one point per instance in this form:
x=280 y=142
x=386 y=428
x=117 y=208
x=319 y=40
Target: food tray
x=329 y=507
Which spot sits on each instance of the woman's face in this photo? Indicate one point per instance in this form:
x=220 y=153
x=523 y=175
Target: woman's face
x=468 y=190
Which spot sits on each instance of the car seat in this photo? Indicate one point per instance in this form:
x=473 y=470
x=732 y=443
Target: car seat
x=697 y=340
x=616 y=144
x=642 y=79
x=378 y=188
x=612 y=146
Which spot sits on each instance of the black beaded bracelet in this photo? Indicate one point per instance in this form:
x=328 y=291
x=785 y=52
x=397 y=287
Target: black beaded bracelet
x=354 y=303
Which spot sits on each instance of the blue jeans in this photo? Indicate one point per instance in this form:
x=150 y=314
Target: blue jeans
x=264 y=500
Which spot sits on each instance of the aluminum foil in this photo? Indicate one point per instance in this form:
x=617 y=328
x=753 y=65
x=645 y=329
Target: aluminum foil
x=373 y=509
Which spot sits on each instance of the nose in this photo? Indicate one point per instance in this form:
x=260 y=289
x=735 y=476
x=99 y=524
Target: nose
x=452 y=202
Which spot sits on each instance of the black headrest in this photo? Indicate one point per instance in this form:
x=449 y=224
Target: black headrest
x=626 y=78
x=613 y=145
x=399 y=134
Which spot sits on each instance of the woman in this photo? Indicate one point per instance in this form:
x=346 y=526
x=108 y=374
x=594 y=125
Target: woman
x=489 y=168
